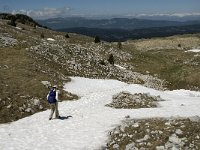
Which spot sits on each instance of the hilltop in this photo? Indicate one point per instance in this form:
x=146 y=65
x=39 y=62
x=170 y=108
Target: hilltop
x=32 y=55
x=20 y=18
x=142 y=101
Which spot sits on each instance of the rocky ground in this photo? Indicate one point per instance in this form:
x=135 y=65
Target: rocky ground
x=90 y=60
x=156 y=134
x=7 y=40
x=127 y=100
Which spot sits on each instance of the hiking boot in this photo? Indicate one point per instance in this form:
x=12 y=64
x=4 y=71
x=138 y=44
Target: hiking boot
x=50 y=118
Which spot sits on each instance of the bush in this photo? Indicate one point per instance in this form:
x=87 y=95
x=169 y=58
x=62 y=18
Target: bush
x=97 y=39
x=12 y=23
x=67 y=36
x=42 y=35
x=111 y=59
x=119 y=45
x=101 y=62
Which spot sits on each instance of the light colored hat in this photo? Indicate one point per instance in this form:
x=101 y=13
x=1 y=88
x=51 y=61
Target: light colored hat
x=55 y=86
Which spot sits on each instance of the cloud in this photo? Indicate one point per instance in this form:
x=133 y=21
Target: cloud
x=44 y=12
x=165 y=15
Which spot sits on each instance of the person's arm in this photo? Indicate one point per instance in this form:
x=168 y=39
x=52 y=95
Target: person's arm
x=47 y=96
x=56 y=95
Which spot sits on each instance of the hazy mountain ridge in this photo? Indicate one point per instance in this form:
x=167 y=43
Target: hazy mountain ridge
x=116 y=23
x=122 y=29
x=123 y=35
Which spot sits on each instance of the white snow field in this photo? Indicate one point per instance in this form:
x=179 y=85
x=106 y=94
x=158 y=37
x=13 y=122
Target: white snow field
x=91 y=120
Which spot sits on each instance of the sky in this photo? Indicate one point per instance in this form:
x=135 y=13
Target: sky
x=92 y=8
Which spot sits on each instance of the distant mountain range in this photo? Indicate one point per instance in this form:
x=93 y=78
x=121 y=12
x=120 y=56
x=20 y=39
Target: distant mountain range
x=121 y=29
x=123 y=35
x=114 y=23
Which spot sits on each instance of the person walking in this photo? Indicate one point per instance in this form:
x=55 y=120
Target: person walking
x=52 y=98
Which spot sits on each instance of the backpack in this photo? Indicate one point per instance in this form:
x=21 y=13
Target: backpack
x=52 y=97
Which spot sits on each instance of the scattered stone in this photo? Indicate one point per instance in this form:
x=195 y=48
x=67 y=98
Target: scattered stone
x=116 y=146
x=41 y=107
x=136 y=125
x=158 y=134
x=127 y=116
x=5 y=66
x=9 y=106
x=160 y=148
x=131 y=101
x=131 y=146
x=174 y=139
x=178 y=131
x=21 y=109
x=7 y=40
x=29 y=110
x=36 y=102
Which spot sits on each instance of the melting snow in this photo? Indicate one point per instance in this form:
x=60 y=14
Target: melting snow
x=193 y=50
x=120 y=67
x=18 y=28
x=50 y=39
x=91 y=120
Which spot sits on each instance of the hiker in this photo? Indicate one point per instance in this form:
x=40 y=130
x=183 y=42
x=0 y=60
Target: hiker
x=52 y=98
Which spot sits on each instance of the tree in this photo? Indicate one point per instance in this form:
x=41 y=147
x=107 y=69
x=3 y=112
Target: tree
x=111 y=59
x=119 y=45
x=12 y=22
x=97 y=39
x=67 y=36
x=42 y=35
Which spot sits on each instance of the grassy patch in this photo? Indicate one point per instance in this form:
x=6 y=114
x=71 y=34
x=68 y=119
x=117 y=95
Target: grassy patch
x=178 y=68
x=20 y=84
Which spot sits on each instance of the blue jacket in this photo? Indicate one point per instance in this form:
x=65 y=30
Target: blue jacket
x=52 y=97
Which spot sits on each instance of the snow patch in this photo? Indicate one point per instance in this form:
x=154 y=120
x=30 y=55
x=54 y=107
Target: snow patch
x=18 y=28
x=193 y=50
x=50 y=39
x=91 y=120
x=119 y=66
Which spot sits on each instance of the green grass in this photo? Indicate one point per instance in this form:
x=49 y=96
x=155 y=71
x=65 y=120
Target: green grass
x=168 y=65
x=20 y=81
